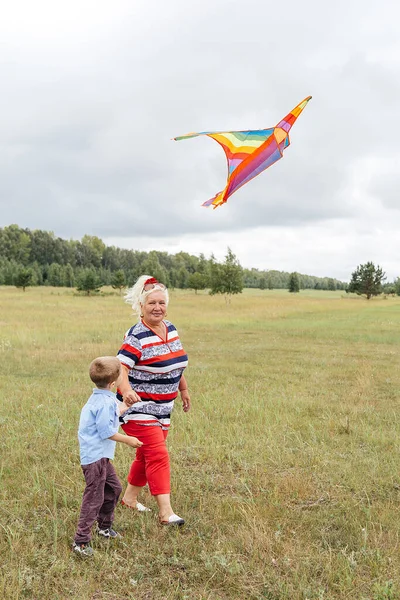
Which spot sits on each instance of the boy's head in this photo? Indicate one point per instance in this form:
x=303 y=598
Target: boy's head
x=104 y=370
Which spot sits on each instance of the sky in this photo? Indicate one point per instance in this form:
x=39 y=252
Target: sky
x=94 y=91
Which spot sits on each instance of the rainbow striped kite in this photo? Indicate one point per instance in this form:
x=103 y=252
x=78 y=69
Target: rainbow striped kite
x=250 y=152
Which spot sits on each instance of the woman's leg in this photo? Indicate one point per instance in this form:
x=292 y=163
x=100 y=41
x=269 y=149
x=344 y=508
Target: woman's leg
x=137 y=473
x=164 y=506
x=158 y=473
x=131 y=495
x=153 y=456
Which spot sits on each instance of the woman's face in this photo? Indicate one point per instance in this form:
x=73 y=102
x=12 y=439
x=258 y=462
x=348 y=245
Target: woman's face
x=154 y=308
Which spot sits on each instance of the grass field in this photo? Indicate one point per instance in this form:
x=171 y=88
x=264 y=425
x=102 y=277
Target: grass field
x=287 y=469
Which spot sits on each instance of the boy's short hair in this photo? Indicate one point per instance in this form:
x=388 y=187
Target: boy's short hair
x=104 y=370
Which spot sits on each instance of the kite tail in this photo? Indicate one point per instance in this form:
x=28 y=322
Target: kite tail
x=216 y=201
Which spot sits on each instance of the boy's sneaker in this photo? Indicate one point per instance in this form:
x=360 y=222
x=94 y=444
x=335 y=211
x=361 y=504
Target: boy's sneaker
x=82 y=549
x=109 y=533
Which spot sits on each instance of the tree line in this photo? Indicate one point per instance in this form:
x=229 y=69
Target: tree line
x=37 y=257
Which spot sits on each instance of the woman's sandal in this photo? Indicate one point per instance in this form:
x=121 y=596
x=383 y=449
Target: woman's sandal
x=139 y=507
x=173 y=520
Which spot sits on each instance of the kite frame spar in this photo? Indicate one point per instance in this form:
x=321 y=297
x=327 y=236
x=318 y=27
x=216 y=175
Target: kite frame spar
x=250 y=152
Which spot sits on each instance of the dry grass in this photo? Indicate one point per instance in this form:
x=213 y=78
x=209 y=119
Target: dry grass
x=287 y=469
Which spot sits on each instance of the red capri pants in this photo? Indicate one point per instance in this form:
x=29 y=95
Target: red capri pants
x=151 y=464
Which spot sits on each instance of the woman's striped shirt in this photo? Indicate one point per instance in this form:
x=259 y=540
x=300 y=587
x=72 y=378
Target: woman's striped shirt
x=155 y=369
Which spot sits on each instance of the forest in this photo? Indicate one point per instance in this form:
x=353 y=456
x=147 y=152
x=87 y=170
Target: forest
x=42 y=258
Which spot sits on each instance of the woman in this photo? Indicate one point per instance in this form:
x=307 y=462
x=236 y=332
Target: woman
x=153 y=362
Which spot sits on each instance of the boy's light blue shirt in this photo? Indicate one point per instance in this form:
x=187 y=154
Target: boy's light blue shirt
x=98 y=422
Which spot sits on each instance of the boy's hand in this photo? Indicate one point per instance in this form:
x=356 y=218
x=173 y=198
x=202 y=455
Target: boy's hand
x=134 y=442
x=122 y=408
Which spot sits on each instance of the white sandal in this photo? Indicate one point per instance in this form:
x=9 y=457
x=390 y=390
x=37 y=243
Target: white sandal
x=139 y=507
x=173 y=520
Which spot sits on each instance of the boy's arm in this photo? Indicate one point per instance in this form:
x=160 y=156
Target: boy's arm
x=126 y=439
x=122 y=408
x=107 y=424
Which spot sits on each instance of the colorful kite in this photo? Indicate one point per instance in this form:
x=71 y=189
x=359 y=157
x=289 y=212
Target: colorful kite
x=250 y=152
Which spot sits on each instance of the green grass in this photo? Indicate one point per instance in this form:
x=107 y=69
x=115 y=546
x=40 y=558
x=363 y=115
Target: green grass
x=287 y=469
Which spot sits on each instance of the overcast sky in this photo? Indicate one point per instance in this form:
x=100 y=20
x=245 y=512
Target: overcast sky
x=93 y=92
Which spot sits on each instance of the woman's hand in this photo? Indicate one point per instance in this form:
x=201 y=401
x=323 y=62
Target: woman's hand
x=185 y=397
x=130 y=397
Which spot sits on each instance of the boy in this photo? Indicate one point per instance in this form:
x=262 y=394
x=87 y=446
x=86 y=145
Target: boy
x=98 y=432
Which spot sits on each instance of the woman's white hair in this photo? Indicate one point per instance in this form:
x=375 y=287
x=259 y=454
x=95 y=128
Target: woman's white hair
x=136 y=295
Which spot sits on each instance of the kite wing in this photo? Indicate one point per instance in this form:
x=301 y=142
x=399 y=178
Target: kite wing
x=250 y=152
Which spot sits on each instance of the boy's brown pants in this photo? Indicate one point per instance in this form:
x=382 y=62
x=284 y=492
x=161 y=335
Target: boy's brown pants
x=100 y=497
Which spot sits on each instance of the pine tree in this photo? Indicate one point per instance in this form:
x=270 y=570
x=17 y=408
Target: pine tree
x=23 y=278
x=294 y=283
x=118 y=280
x=367 y=279
x=88 y=282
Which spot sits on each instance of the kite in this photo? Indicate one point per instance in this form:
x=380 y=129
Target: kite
x=250 y=152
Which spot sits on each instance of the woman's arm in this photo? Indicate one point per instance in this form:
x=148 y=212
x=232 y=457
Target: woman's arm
x=185 y=396
x=129 y=396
